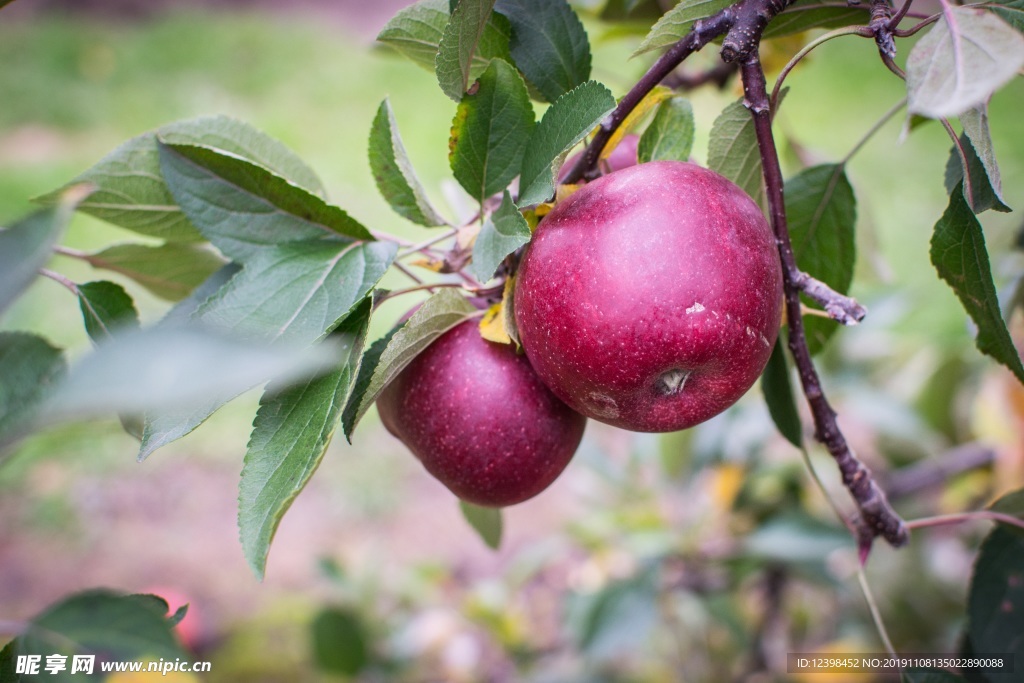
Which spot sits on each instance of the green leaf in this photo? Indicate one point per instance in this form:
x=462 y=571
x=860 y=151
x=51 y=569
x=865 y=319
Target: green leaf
x=968 y=55
x=795 y=538
x=416 y=31
x=163 y=367
x=292 y=430
x=982 y=171
x=618 y=619
x=564 y=124
x=549 y=44
x=678 y=21
x=995 y=601
x=367 y=365
x=807 y=14
x=486 y=522
x=733 y=151
x=29 y=369
x=27 y=245
x=458 y=45
x=295 y=293
x=930 y=676
x=1010 y=504
x=669 y=137
x=437 y=315
x=106 y=308
x=822 y=212
x=393 y=172
x=131 y=191
x=340 y=642
x=243 y=208
x=183 y=311
x=959 y=255
x=490 y=132
x=111 y=626
x=778 y=394
x=1012 y=12
x=505 y=231
x=170 y=271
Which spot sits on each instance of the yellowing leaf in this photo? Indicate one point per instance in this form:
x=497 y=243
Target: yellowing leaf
x=648 y=103
x=727 y=479
x=492 y=325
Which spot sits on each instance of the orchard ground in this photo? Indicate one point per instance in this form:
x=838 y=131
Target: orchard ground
x=79 y=512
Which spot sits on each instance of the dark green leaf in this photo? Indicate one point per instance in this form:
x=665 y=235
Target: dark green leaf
x=290 y=435
x=416 y=31
x=930 y=676
x=565 y=123
x=669 y=137
x=959 y=255
x=243 y=208
x=490 y=132
x=733 y=152
x=549 y=44
x=183 y=311
x=778 y=394
x=958 y=66
x=678 y=21
x=437 y=315
x=170 y=271
x=295 y=293
x=106 y=308
x=618 y=619
x=29 y=369
x=131 y=191
x=367 y=365
x=1010 y=504
x=458 y=45
x=807 y=14
x=982 y=171
x=393 y=172
x=27 y=245
x=110 y=626
x=505 y=231
x=485 y=521
x=822 y=212
x=1012 y=12
x=995 y=602
x=340 y=642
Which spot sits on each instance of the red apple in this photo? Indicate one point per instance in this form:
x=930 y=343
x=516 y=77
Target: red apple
x=623 y=156
x=480 y=420
x=651 y=298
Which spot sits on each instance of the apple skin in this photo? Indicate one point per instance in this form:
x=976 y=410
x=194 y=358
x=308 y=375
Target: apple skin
x=623 y=156
x=480 y=420
x=651 y=298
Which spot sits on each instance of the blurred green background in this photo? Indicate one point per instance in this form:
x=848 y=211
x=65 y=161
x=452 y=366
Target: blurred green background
x=648 y=557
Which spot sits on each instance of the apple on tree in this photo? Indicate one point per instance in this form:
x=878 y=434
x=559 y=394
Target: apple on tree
x=651 y=298
x=479 y=419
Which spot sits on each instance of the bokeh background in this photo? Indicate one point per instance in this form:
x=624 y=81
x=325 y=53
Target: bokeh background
x=704 y=555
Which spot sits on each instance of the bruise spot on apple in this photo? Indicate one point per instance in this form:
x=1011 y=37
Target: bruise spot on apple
x=603 y=405
x=671 y=383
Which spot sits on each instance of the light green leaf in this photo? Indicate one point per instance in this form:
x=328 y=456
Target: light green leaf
x=486 y=522
x=678 y=21
x=183 y=311
x=340 y=642
x=733 y=151
x=243 y=208
x=564 y=124
x=490 y=132
x=822 y=212
x=995 y=601
x=669 y=137
x=27 y=245
x=778 y=394
x=807 y=14
x=505 y=231
x=416 y=31
x=982 y=171
x=549 y=44
x=959 y=255
x=437 y=315
x=170 y=271
x=393 y=172
x=97 y=622
x=106 y=308
x=29 y=369
x=290 y=435
x=458 y=45
x=131 y=191
x=968 y=55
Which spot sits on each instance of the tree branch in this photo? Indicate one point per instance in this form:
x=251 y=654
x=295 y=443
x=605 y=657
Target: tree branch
x=839 y=307
x=877 y=516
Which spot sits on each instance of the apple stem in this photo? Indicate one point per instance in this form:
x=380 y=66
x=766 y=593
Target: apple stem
x=877 y=518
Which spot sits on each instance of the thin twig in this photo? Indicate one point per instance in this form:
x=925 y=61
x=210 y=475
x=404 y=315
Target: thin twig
x=876 y=616
x=898 y=17
x=72 y=253
x=878 y=517
x=938 y=470
x=717 y=75
x=420 y=246
x=874 y=129
x=418 y=288
x=906 y=33
x=805 y=50
x=409 y=274
x=960 y=517
x=841 y=308
x=60 y=279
